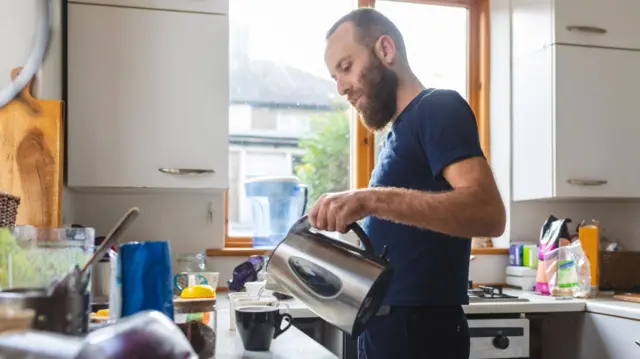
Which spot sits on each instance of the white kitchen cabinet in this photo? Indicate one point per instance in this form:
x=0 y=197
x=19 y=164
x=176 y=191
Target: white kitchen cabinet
x=204 y=6
x=148 y=94
x=604 y=23
x=575 y=123
x=607 y=337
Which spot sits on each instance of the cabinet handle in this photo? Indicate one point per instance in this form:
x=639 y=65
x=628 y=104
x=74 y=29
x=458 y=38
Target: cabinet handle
x=185 y=171
x=638 y=343
x=589 y=29
x=578 y=182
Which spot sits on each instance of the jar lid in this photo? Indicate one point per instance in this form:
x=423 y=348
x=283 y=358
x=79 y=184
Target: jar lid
x=195 y=303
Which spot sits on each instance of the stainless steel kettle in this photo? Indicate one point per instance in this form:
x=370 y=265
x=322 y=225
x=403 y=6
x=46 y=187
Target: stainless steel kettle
x=341 y=283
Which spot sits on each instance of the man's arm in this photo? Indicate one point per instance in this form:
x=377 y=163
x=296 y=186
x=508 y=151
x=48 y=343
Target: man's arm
x=473 y=208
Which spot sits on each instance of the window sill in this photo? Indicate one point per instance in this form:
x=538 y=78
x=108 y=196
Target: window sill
x=490 y=251
x=237 y=252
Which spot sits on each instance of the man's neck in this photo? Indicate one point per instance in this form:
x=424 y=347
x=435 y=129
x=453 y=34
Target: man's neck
x=408 y=89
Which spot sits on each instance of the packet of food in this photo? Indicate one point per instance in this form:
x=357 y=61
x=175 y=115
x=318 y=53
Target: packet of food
x=554 y=232
x=567 y=271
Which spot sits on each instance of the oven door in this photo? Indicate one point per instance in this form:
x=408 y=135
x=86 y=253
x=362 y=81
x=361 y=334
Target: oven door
x=499 y=338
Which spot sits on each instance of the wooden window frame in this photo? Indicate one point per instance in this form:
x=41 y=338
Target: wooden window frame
x=363 y=140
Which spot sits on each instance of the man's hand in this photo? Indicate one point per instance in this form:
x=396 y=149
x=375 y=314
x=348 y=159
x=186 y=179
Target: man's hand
x=335 y=211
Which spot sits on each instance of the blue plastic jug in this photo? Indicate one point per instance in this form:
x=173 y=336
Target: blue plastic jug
x=276 y=204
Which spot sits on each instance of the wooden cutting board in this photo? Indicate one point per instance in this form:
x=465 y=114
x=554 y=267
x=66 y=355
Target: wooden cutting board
x=31 y=156
x=628 y=297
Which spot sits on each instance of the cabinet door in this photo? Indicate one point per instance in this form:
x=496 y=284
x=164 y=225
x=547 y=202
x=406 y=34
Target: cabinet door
x=208 y=6
x=608 y=23
x=531 y=128
x=597 y=122
x=606 y=337
x=148 y=90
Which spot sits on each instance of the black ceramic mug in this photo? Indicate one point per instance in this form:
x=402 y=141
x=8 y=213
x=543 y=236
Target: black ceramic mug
x=258 y=325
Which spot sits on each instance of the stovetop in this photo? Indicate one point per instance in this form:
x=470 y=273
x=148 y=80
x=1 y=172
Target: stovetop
x=489 y=294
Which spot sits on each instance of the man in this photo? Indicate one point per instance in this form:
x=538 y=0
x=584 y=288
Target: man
x=431 y=191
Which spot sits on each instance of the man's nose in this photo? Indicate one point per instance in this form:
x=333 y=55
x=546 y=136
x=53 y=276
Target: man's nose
x=343 y=89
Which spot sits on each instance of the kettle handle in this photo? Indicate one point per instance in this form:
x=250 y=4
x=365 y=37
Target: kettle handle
x=355 y=227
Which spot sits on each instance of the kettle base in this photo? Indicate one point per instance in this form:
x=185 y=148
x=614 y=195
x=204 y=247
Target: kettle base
x=372 y=302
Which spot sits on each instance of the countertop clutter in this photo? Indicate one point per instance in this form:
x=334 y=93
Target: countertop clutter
x=292 y=344
x=296 y=344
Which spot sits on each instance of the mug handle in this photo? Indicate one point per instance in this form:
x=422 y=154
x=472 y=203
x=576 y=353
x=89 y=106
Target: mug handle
x=279 y=319
x=175 y=281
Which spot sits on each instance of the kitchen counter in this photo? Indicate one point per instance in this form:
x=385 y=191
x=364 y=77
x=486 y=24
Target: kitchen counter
x=292 y=344
x=536 y=304
x=614 y=307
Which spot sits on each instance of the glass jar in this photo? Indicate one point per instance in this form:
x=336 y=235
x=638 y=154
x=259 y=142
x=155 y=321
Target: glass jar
x=32 y=257
x=197 y=318
x=191 y=262
x=187 y=263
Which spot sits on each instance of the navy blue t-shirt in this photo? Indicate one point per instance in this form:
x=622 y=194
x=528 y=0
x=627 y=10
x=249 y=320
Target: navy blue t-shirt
x=436 y=129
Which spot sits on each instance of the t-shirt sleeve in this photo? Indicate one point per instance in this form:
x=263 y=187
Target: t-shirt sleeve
x=447 y=130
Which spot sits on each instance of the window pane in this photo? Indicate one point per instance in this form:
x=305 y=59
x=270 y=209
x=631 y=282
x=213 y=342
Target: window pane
x=436 y=38
x=286 y=117
x=437 y=41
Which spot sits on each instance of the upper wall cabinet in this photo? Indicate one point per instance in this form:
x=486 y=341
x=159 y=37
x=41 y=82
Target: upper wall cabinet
x=205 y=6
x=604 y=23
x=148 y=97
x=575 y=122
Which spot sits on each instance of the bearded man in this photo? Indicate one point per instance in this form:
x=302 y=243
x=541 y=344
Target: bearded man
x=430 y=192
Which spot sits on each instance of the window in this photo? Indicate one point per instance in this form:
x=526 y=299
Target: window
x=286 y=117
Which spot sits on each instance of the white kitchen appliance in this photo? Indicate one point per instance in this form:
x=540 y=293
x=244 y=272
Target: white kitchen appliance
x=343 y=284
x=499 y=338
x=488 y=294
x=522 y=277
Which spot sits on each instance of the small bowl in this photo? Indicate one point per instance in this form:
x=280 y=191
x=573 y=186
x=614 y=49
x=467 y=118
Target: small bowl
x=253 y=288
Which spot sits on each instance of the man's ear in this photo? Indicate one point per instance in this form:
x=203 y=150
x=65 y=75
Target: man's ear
x=386 y=50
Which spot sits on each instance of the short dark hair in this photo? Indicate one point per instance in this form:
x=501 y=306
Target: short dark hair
x=370 y=25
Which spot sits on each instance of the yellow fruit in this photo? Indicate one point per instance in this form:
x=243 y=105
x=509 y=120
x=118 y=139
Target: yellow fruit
x=198 y=291
x=103 y=313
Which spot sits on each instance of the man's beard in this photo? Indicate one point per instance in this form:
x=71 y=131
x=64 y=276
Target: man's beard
x=380 y=86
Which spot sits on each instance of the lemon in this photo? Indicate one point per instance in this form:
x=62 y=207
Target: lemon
x=103 y=313
x=198 y=291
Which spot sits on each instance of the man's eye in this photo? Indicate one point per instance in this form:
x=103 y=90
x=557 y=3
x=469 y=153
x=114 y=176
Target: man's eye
x=346 y=68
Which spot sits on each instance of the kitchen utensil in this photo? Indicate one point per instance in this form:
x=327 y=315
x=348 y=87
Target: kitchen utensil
x=34 y=61
x=65 y=312
x=32 y=156
x=343 y=284
x=77 y=278
x=101 y=280
x=628 y=297
x=146 y=335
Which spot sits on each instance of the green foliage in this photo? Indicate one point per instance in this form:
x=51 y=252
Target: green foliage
x=325 y=164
